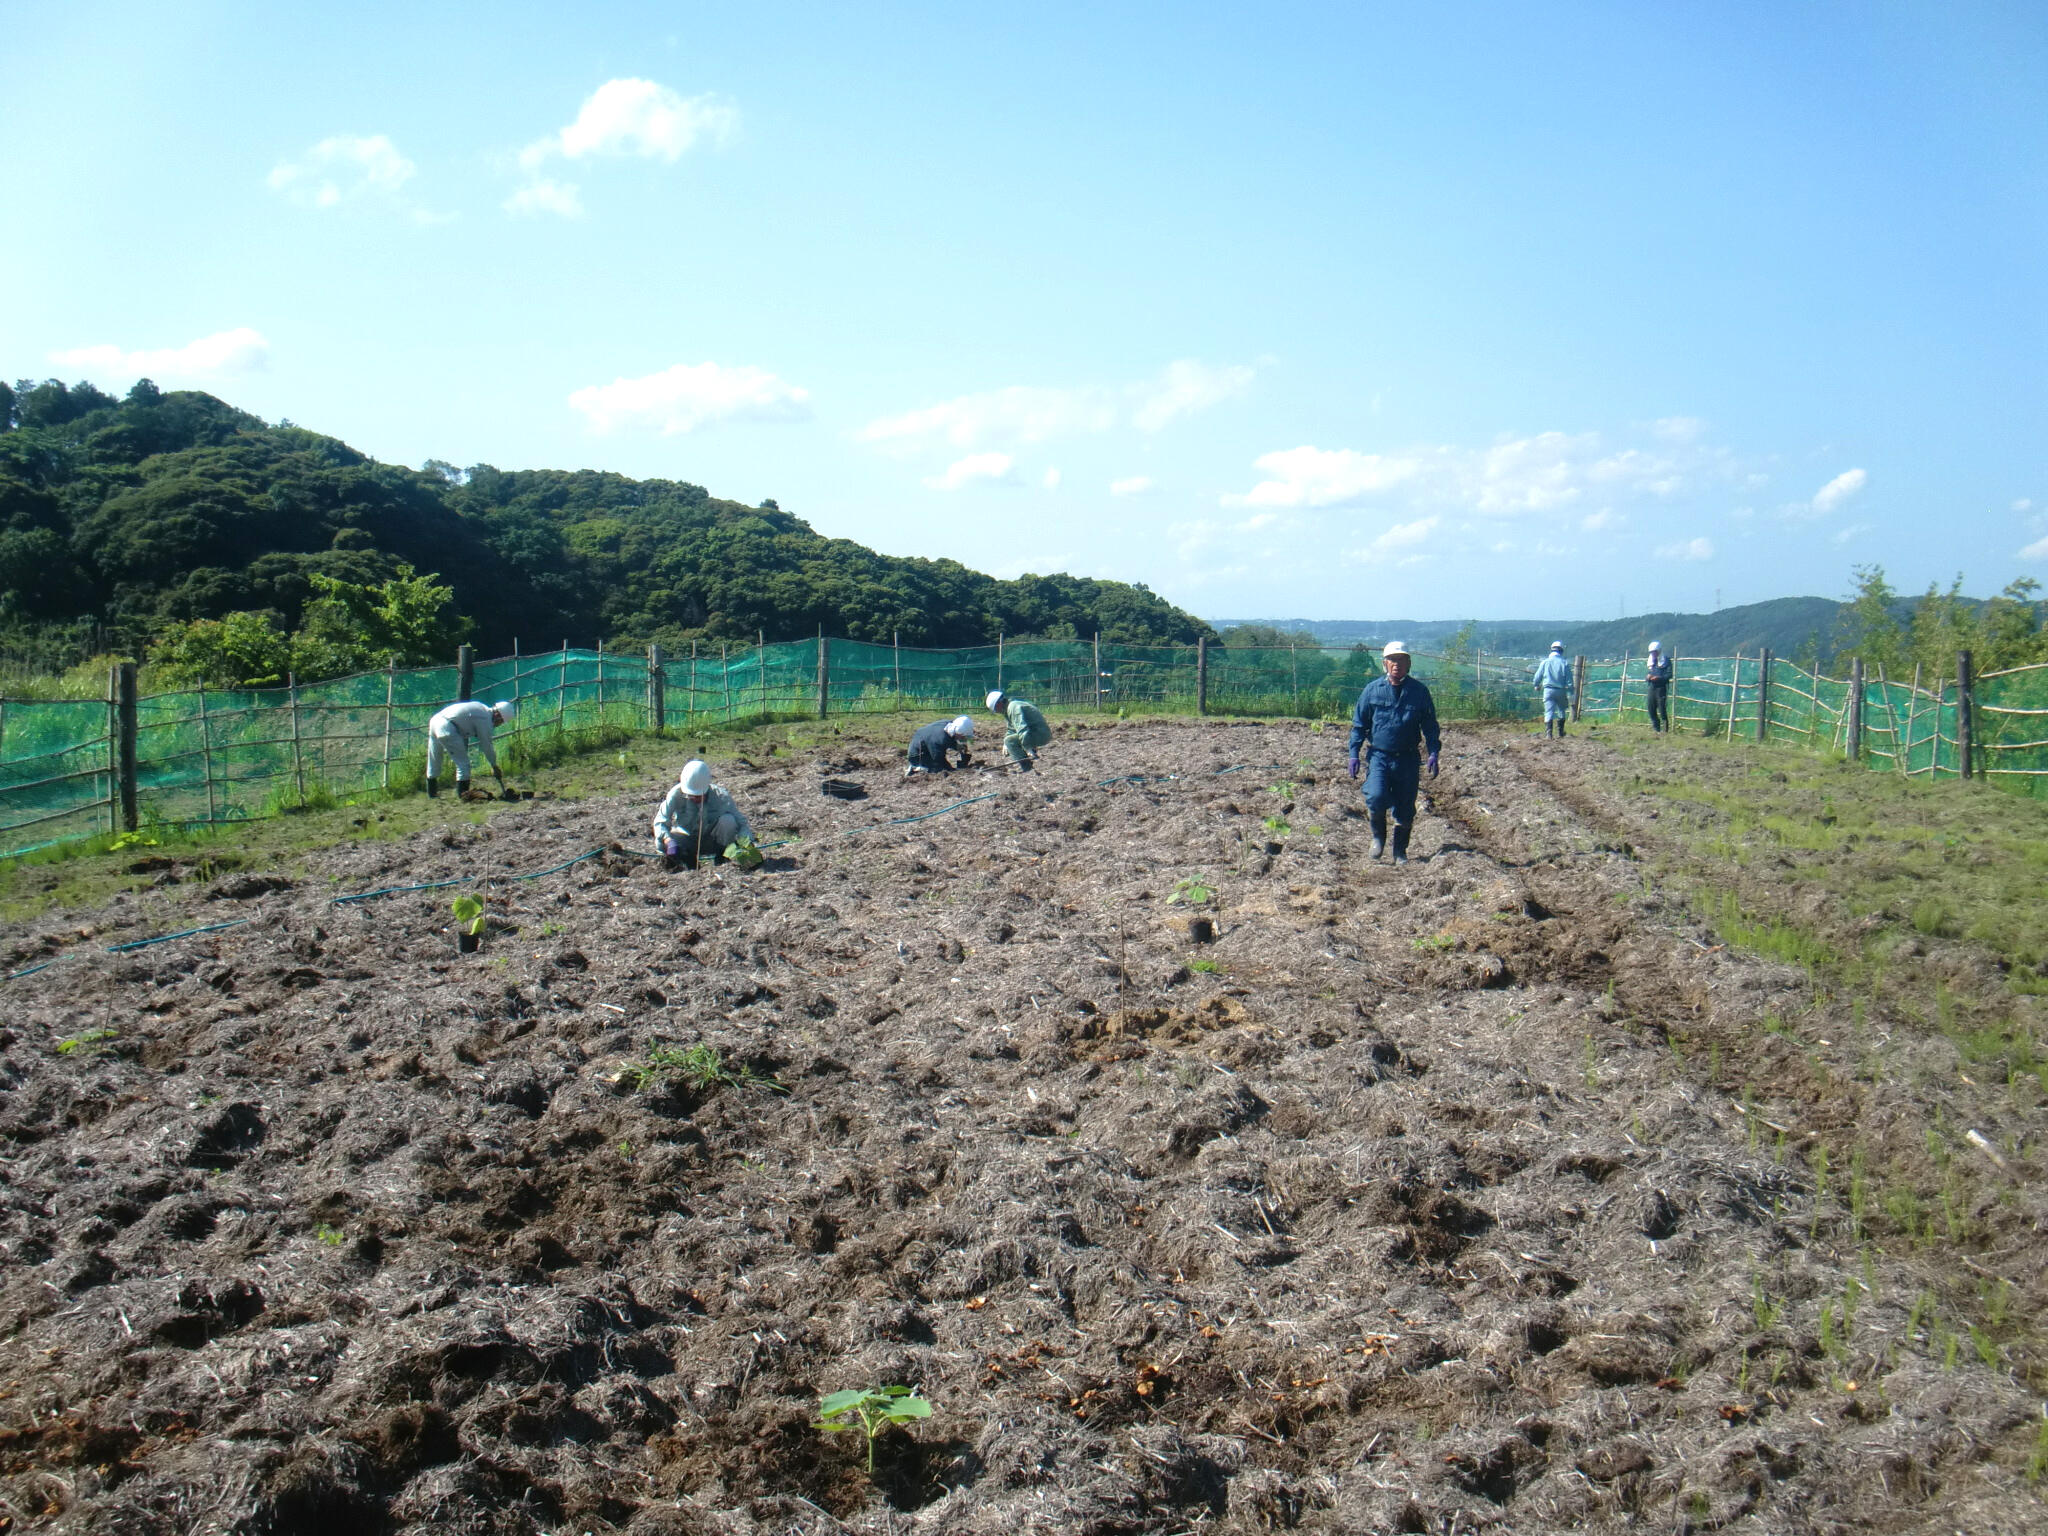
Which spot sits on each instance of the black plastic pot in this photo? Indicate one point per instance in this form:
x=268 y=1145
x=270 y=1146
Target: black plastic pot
x=467 y=943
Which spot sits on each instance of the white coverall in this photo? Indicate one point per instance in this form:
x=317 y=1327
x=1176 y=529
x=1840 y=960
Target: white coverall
x=452 y=730
x=680 y=817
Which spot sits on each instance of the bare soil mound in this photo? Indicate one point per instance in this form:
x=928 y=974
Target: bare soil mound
x=1198 y=1169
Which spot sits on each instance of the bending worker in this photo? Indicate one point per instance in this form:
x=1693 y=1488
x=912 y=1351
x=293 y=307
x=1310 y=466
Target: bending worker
x=1028 y=730
x=451 y=732
x=930 y=747
x=697 y=815
x=1658 y=672
x=1554 y=679
x=1394 y=718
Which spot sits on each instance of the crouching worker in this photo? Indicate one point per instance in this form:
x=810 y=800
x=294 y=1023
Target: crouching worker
x=1028 y=730
x=451 y=731
x=696 y=818
x=931 y=748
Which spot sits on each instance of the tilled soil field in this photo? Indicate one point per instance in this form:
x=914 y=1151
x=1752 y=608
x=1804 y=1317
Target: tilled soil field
x=1198 y=1170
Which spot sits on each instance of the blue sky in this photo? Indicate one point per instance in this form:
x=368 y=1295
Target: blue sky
x=1321 y=311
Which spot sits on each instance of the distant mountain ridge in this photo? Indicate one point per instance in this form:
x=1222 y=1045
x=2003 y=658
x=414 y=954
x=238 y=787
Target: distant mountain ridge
x=1793 y=627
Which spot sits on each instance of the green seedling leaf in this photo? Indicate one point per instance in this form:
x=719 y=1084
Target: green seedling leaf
x=1190 y=892
x=92 y=1043
x=871 y=1410
x=469 y=914
x=745 y=853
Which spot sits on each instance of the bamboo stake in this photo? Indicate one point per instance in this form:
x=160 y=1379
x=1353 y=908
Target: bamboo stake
x=1621 y=699
x=206 y=750
x=1734 y=688
x=298 y=756
x=1912 y=714
x=725 y=673
x=390 y=696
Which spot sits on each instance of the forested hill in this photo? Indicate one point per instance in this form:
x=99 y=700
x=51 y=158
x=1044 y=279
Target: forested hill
x=173 y=506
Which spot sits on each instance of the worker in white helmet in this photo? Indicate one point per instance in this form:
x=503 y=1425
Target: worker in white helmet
x=1028 y=730
x=1395 y=719
x=932 y=747
x=1554 y=682
x=450 y=733
x=1658 y=671
x=697 y=817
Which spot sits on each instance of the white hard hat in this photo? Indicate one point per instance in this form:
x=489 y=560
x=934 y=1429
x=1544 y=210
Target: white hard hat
x=995 y=697
x=960 y=725
x=1655 y=646
x=503 y=708
x=1394 y=648
x=696 y=778
x=1557 y=645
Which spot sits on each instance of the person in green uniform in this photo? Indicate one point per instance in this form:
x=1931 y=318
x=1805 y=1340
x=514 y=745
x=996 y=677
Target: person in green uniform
x=1028 y=730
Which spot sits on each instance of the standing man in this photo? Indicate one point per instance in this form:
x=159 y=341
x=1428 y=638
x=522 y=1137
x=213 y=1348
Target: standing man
x=450 y=733
x=1554 y=681
x=694 y=815
x=1394 y=719
x=1028 y=730
x=1658 y=671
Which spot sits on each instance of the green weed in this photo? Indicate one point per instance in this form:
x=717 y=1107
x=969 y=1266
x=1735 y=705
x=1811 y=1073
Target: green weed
x=871 y=1410
x=94 y=1042
x=701 y=1066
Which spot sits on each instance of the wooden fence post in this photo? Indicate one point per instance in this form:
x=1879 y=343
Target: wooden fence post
x=999 y=661
x=657 y=690
x=390 y=697
x=824 y=675
x=1763 y=696
x=1098 y=672
x=206 y=751
x=690 y=708
x=1578 y=687
x=1201 y=675
x=1912 y=714
x=1966 y=702
x=761 y=667
x=291 y=682
x=896 y=645
x=465 y=672
x=600 y=684
x=124 y=721
x=1855 y=741
x=725 y=675
x=1621 y=698
x=562 y=691
x=1734 y=691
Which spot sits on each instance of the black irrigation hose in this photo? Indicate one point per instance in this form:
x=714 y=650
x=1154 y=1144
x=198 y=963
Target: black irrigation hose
x=122 y=949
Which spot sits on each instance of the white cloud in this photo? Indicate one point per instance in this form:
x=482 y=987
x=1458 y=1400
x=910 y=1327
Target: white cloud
x=1678 y=429
x=341 y=168
x=546 y=196
x=1323 y=477
x=636 y=117
x=2038 y=550
x=2024 y=504
x=1597 y=522
x=1052 y=478
x=687 y=396
x=1548 y=472
x=1690 y=549
x=1404 y=536
x=1852 y=531
x=1187 y=386
x=995 y=468
x=1257 y=521
x=1022 y=414
x=1131 y=485
x=1017 y=415
x=224 y=352
x=1829 y=496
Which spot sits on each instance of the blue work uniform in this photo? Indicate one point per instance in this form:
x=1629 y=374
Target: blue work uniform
x=1393 y=724
x=1554 y=677
x=1657 y=672
x=930 y=746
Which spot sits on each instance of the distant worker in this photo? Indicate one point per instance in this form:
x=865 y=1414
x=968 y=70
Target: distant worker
x=697 y=816
x=1028 y=730
x=931 y=748
x=451 y=732
x=1554 y=680
x=1658 y=671
x=1394 y=719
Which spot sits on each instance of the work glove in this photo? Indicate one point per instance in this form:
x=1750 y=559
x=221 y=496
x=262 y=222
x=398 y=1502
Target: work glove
x=1432 y=765
x=1354 y=765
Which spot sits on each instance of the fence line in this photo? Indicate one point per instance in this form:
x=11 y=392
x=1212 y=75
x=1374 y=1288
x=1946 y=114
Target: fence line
x=214 y=756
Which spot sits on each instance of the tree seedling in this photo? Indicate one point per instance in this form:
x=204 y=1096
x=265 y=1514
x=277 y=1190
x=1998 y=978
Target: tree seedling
x=871 y=1410
x=94 y=1042
x=469 y=922
x=1190 y=892
x=745 y=853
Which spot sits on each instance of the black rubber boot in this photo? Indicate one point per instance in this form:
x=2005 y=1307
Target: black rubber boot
x=1379 y=834
x=433 y=790
x=1401 y=845
x=461 y=788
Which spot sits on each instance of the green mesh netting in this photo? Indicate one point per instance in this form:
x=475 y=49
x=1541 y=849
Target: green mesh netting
x=216 y=756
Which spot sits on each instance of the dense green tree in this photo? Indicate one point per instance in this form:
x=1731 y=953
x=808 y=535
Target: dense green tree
x=1868 y=624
